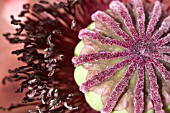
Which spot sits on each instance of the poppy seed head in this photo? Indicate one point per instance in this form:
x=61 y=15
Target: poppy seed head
x=135 y=35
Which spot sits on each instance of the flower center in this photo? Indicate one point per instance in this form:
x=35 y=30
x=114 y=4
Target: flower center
x=143 y=47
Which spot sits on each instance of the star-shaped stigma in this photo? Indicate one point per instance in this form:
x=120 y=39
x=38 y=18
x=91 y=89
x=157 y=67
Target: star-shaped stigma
x=125 y=33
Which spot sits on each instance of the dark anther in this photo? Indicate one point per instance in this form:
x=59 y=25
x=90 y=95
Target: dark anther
x=44 y=2
x=23 y=13
x=17 y=52
x=38 y=8
x=14 y=40
x=14 y=21
x=26 y=6
x=2 y=108
x=25 y=100
x=7 y=34
x=19 y=90
x=19 y=30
